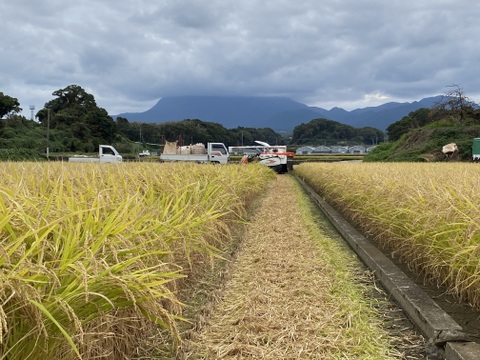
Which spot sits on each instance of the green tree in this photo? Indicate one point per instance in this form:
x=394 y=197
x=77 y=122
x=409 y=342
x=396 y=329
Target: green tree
x=329 y=132
x=8 y=105
x=17 y=133
x=75 y=112
x=191 y=131
x=123 y=125
x=247 y=136
x=415 y=119
x=73 y=96
x=369 y=135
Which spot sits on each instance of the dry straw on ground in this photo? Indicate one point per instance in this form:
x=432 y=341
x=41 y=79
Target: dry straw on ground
x=290 y=295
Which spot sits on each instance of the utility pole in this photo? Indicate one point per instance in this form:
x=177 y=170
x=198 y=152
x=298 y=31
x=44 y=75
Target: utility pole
x=48 y=134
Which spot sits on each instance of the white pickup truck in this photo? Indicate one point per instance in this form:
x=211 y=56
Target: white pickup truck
x=199 y=153
x=106 y=154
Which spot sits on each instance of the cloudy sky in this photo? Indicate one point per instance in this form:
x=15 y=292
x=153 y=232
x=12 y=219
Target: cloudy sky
x=346 y=53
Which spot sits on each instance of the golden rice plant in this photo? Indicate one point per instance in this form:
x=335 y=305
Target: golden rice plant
x=91 y=253
x=426 y=214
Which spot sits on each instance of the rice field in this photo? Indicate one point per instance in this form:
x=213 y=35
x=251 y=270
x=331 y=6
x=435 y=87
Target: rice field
x=427 y=215
x=93 y=257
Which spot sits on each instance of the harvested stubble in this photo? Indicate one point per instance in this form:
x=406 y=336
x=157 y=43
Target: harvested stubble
x=292 y=292
x=426 y=214
x=92 y=255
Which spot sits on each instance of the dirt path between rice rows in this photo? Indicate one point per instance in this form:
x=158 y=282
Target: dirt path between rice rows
x=275 y=301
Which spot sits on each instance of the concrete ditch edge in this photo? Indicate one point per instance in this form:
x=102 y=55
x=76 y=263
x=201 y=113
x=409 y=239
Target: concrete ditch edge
x=434 y=323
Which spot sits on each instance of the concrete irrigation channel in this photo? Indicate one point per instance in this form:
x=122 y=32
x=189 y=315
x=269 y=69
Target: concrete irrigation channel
x=438 y=325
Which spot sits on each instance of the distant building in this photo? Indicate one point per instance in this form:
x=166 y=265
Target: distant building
x=339 y=149
x=304 y=150
x=334 y=149
x=357 y=149
x=322 y=149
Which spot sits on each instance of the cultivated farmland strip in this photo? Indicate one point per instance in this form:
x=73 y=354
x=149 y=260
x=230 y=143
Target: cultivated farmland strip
x=445 y=336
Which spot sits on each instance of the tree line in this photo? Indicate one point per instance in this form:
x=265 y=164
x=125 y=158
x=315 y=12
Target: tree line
x=421 y=135
x=454 y=109
x=73 y=122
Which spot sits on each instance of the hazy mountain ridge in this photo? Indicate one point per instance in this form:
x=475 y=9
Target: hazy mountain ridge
x=278 y=113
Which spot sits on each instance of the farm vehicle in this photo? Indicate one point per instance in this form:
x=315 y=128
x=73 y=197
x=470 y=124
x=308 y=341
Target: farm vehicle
x=275 y=156
x=476 y=150
x=199 y=153
x=106 y=154
x=144 y=153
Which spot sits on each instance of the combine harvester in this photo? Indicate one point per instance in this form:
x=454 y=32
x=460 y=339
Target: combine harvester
x=275 y=156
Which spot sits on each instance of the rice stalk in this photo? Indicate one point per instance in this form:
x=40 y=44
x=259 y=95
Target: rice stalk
x=93 y=255
x=425 y=214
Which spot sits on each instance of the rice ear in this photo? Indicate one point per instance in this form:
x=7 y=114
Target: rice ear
x=93 y=257
x=428 y=215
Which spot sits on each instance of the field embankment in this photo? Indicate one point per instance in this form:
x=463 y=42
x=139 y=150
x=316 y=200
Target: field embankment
x=426 y=214
x=93 y=256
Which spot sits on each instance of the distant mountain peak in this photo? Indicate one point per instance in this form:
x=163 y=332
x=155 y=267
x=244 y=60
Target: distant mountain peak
x=277 y=113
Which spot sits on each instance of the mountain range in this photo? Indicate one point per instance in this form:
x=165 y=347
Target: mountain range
x=278 y=113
